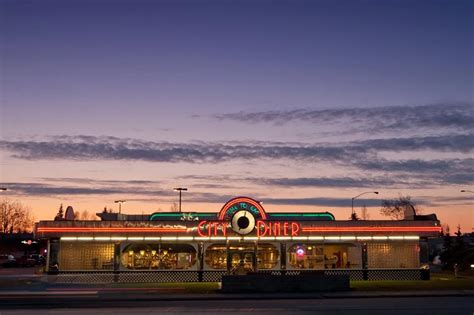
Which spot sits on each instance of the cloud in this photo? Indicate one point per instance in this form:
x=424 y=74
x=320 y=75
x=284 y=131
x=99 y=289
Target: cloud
x=446 y=143
x=341 y=182
x=393 y=118
x=91 y=181
x=41 y=189
x=358 y=155
x=111 y=148
x=316 y=201
x=455 y=168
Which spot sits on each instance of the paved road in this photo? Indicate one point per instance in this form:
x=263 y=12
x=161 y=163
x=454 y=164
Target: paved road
x=393 y=305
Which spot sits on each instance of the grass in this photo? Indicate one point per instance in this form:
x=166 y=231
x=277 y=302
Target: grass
x=437 y=282
x=178 y=287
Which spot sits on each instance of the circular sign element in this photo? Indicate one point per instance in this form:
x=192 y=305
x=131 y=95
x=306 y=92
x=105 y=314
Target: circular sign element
x=243 y=222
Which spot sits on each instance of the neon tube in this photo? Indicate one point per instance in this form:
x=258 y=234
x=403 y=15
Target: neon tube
x=374 y=229
x=105 y=230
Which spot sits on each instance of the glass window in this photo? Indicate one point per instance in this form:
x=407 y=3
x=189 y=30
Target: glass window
x=267 y=256
x=393 y=255
x=306 y=256
x=86 y=256
x=327 y=256
x=158 y=256
x=216 y=256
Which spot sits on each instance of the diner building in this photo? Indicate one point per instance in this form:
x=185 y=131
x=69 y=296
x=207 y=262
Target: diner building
x=203 y=246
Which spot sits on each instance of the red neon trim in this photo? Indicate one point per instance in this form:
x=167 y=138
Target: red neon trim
x=242 y=199
x=374 y=229
x=101 y=230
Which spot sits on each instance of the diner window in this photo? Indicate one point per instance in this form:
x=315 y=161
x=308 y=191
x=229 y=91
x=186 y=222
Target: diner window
x=86 y=256
x=267 y=256
x=327 y=256
x=393 y=255
x=216 y=256
x=158 y=256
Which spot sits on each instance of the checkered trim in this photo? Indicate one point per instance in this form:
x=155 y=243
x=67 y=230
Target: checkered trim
x=394 y=274
x=213 y=276
x=216 y=276
x=158 y=276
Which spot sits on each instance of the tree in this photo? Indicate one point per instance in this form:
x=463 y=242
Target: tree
x=354 y=217
x=60 y=214
x=85 y=215
x=15 y=217
x=174 y=207
x=396 y=208
x=364 y=213
x=459 y=239
x=446 y=254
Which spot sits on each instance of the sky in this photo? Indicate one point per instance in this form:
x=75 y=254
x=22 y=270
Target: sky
x=299 y=104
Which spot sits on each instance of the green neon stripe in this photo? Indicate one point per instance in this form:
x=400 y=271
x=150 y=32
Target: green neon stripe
x=328 y=215
x=178 y=215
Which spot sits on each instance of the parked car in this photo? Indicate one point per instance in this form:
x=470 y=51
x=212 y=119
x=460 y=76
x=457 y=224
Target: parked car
x=7 y=261
x=26 y=261
x=39 y=259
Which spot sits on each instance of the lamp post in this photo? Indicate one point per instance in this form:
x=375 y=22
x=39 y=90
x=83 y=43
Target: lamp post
x=468 y=191
x=120 y=204
x=180 y=189
x=367 y=192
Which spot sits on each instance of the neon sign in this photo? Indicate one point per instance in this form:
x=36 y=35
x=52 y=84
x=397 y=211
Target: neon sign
x=219 y=228
x=210 y=228
x=278 y=228
x=242 y=203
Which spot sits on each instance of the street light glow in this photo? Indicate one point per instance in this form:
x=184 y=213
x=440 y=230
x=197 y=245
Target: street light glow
x=180 y=189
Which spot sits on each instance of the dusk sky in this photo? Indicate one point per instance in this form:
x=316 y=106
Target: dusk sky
x=299 y=104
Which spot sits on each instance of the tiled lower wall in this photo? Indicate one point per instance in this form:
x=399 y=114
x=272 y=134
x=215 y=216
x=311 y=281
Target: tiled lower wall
x=215 y=276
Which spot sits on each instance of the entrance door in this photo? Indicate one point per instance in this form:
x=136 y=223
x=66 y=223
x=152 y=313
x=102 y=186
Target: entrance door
x=241 y=259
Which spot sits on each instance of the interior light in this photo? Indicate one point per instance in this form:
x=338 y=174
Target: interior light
x=300 y=251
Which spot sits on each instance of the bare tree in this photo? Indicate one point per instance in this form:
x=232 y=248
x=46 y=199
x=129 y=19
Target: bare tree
x=77 y=215
x=364 y=213
x=15 y=217
x=445 y=229
x=85 y=215
x=174 y=207
x=396 y=208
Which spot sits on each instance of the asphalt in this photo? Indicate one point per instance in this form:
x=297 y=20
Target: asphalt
x=359 y=306
x=37 y=292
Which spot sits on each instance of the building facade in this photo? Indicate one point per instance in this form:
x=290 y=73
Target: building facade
x=242 y=236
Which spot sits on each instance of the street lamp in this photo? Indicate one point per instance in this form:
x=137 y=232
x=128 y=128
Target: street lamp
x=120 y=204
x=367 y=192
x=180 y=189
x=468 y=191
